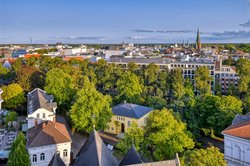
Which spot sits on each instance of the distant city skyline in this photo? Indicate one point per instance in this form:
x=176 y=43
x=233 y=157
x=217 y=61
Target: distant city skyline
x=115 y=21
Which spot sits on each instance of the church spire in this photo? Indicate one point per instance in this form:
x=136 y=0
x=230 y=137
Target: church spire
x=198 y=40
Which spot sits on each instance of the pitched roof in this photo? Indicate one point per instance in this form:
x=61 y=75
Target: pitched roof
x=56 y=161
x=47 y=133
x=240 y=127
x=132 y=157
x=40 y=99
x=95 y=153
x=131 y=110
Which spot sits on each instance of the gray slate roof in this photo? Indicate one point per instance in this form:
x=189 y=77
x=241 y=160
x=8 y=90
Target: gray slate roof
x=56 y=161
x=132 y=157
x=40 y=99
x=95 y=153
x=131 y=110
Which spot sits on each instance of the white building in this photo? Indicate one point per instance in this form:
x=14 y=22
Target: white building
x=74 y=51
x=40 y=107
x=46 y=139
x=237 y=141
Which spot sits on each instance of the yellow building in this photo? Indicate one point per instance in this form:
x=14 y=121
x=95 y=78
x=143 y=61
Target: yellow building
x=126 y=113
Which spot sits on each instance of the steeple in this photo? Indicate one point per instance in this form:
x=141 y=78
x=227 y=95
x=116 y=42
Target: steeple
x=198 y=40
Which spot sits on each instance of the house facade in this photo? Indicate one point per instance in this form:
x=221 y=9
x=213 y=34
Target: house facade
x=237 y=141
x=46 y=139
x=40 y=107
x=125 y=114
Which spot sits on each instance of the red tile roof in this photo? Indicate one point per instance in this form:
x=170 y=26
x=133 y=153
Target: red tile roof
x=67 y=58
x=31 y=55
x=47 y=133
x=241 y=129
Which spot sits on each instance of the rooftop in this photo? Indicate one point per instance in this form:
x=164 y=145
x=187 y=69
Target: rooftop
x=40 y=99
x=131 y=110
x=240 y=127
x=47 y=133
x=95 y=153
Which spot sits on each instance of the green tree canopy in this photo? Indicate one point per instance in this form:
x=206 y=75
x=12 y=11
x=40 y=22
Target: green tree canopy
x=202 y=80
x=129 y=88
x=10 y=117
x=166 y=135
x=217 y=112
x=13 y=96
x=203 y=157
x=59 y=84
x=91 y=109
x=18 y=153
x=134 y=135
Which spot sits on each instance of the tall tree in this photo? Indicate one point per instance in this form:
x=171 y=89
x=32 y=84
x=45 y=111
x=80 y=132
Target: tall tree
x=151 y=74
x=30 y=77
x=134 y=135
x=202 y=81
x=129 y=88
x=210 y=156
x=216 y=113
x=18 y=153
x=59 y=84
x=91 y=109
x=13 y=96
x=166 y=135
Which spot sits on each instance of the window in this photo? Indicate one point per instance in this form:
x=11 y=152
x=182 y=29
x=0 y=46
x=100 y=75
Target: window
x=65 y=153
x=128 y=123
x=42 y=157
x=43 y=115
x=34 y=158
x=37 y=116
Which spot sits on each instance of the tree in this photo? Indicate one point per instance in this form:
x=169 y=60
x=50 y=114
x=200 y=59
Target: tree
x=216 y=113
x=202 y=81
x=176 y=84
x=134 y=135
x=151 y=74
x=166 y=135
x=129 y=88
x=60 y=85
x=13 y=96
x=18 y=153
x=203 y=157
x=91 y=109
x=30 y=77
x=10 y=117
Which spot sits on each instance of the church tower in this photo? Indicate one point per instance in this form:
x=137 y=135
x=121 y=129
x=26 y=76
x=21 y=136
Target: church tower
x=198 y=40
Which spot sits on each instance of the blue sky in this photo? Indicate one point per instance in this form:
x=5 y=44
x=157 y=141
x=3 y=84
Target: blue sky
x=114 y=21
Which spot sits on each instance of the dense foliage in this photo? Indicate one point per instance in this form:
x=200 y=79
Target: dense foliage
x=210 y=156
x=18 y=152
x=91 y=109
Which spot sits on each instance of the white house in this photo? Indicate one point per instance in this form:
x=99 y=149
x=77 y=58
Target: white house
x=237 y=141
x=46 y=139
x=40 y=107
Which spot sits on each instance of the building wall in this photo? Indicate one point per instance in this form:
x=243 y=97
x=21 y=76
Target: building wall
x=33 y=118
x=188 y=68
x=225 y=77
x=237 y=151
x=49 y=151
x=114 y=126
